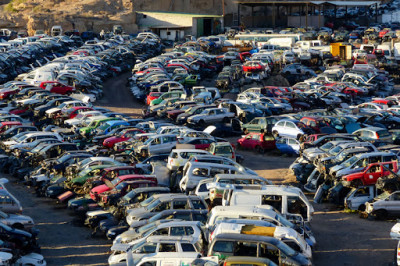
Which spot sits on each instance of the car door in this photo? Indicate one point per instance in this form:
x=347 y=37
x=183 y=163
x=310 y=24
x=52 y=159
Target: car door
x=393 y=204
x=290 y=129
x=294 y=145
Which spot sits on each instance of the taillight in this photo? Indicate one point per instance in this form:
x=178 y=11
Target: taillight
x=377 y=136
x=233 y=155
x=214 y=153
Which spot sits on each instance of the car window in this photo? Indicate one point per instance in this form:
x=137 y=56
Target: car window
x=198 y=204
x=395 y=197
x=182 y=216
x=290 y=125
x=161 y=232
x=187 y=247
x=148 y=248
x=292 y=142
x=177 y=231
x=148 y=263
x=164 y=247
x=180 y=204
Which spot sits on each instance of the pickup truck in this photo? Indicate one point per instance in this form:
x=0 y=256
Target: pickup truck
x=370 y=175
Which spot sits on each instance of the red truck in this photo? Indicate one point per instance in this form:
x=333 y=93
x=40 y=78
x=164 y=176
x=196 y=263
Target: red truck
x=369 y=175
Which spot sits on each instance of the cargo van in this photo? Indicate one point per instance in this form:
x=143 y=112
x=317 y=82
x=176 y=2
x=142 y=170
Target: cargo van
x=287 y=200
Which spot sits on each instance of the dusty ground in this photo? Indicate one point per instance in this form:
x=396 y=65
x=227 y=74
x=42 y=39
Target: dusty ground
x=343 y=238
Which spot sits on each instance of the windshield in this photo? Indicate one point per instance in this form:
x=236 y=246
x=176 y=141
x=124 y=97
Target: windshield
x=146 y=228
x=383 y=133
x=382 y=196
x=283 y=221
x=326 y=147
x=146 y=202
x=286 y=249
x=103 y=127
x=115 y=181
x=335 y=151
x=84 y=172
x=64 y=158
x=153 y=205
x=350 y=161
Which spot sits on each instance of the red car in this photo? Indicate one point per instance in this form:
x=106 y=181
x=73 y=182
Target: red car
x=200 y=143
x=57 y=87
x=6 y=125
x=111 y=173
x=74 y=111
x=257 y=141
x=6 y=93
x=123 y=188
x=369 y=175
x=252 y=67
x=109 y=185
x=152 y=96
x=315 y=123
x=125 y=135
x=384 y=102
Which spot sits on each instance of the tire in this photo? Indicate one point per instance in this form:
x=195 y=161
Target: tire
x=381 y=214
x=275 y=134
x=225 y=120
x=239 y=147
x=361 y=208
x=259 y=150
x=356 y=183
x=202 y=123
x=18 y=226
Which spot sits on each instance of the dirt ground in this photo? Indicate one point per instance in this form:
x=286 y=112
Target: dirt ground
x=342 y=238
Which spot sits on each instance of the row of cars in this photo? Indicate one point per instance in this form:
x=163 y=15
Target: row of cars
x=32 y=104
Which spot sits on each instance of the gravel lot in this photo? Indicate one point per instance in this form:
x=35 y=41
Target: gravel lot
x=342 y=238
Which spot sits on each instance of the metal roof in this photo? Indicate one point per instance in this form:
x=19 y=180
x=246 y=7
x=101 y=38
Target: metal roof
x=181 y=14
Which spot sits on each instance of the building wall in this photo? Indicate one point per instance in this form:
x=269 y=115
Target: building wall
x=173 y=34
x=146 y=20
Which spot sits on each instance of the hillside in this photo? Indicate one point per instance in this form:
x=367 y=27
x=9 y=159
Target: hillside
x=81 y=14
x=93 y=14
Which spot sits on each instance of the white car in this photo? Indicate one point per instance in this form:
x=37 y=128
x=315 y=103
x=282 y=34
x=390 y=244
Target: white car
x=384 y=205
x=157 y=144
x=157 y=246
x=81 y=117
x=211 y=115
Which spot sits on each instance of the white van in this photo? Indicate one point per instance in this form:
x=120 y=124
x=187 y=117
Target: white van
x=194 y=172
x=288 y=200
x=179 y=157
x=164 y=259
x=287 y=235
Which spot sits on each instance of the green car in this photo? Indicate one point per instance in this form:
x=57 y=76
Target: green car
x=258 y=123
x=190 y=80
x=166 y=96
x=95 y=124
x=87 y=173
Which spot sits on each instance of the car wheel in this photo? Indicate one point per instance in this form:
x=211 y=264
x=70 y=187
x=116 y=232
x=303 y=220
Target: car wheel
x=381 y=214
x=361 y=208
x=259 y=150
x=202 y=123
x=225 y=120
x=18 y=226
x=356 y=183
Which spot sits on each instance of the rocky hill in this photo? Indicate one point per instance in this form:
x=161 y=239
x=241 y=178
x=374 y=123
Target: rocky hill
x=80 y=14
x=93 y=14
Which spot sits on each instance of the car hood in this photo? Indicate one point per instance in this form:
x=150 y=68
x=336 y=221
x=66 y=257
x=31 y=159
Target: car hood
x=100 y=189
x=53 y=110
x=20 y=218
x=136 y=212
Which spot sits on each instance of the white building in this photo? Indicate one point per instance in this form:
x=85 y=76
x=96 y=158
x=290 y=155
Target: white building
x=174 y=26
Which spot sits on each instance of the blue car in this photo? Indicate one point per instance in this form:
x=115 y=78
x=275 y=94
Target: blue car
x=287 y=145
